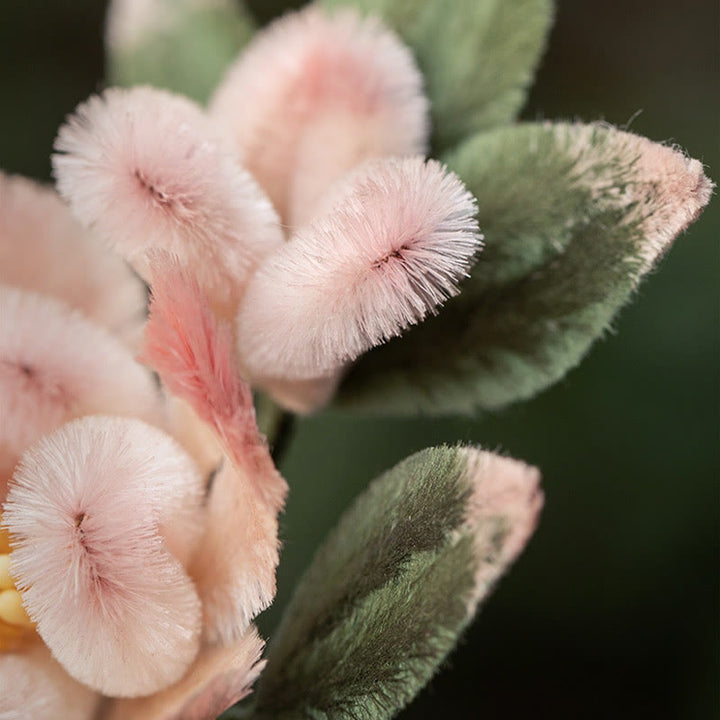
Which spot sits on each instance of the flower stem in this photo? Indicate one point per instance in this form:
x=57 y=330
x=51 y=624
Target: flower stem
x=276 y=424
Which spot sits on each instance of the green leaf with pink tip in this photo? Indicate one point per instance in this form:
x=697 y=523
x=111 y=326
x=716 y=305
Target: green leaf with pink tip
x=573 y=216
x=395 y=583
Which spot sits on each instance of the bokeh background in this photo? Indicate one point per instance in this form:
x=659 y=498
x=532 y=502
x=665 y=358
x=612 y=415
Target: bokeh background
x=613 y=609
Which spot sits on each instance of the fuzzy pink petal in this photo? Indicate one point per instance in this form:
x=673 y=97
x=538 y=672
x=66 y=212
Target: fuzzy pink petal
x=146 y=169
x=85 y=512
x=220 y=677
x=194 y=356
x=235 y=565
x=399 y=238
x=56 y=365
x=33 y=686
x=503 y=512
x=44 y=249
x=313 y=96
x=195 y=435
x=234 y=568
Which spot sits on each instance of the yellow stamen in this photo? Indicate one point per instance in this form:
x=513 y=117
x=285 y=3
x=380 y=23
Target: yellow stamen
x=13 y=637
x=4 y=539
x=12 y=611
x=6 y=582
x=16 y=628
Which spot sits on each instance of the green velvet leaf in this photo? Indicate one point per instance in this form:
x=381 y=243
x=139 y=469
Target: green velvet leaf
x=181 y=45
x=392 y=587
x=478 y=57
x=573 y=216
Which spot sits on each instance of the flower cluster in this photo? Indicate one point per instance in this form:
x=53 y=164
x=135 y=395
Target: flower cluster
x=284 y=231
x=143 y=523
x=140 y=526
x=301 y=199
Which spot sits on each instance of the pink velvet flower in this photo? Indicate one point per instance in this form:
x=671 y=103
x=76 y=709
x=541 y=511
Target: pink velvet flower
x=326 y=113
x=128 y=578
x=146 y=170
x=313 y=96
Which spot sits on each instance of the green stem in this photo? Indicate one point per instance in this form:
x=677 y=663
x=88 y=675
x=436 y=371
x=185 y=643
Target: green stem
x=276 y=424
x=242 y=711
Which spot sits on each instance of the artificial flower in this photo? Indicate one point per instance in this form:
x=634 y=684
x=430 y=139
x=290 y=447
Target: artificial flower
x=333 y=129
x=128 y=577
x=303 y=203
x=284 y=233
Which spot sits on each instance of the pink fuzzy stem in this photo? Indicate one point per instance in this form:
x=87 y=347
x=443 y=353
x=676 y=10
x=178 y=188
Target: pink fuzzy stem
x=194 y=356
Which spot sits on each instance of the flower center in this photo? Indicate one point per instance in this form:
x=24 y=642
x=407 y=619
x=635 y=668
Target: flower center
x=16 y=628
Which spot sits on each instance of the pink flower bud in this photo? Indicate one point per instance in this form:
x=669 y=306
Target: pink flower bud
x=313 y=96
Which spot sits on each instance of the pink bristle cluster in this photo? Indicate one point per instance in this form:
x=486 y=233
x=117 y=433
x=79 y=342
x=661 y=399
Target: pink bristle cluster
x=313 y=96
x=85 y=512
x=394 y=246
x=146 y=170
x=56 y=365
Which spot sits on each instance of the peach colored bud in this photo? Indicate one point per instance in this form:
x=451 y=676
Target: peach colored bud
x=313 y=96
x=146 y=169
x=399 y=238
x=37 y=236
x=86 y=511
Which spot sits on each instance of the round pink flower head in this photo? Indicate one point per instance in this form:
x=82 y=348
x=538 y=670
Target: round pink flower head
x=399 y=237
x=38 y=235
x=313 y=96
x=87 y=513
x=146 y=169
x=56 y=365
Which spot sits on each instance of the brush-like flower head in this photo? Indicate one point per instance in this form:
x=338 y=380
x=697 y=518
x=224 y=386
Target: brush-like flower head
x=146 y=170
x=399 y=237
x=315 y=95
x=139 y=576
x=86 y=511
x=56 y=365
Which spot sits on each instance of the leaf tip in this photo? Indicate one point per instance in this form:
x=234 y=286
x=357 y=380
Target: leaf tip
x=502 y=513
x=677 y=189
x=659 y=188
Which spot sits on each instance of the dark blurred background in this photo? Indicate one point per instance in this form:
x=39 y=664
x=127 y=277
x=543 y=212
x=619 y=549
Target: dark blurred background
x=613 y=609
